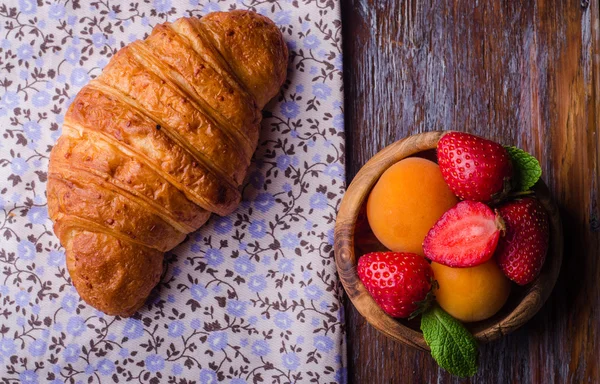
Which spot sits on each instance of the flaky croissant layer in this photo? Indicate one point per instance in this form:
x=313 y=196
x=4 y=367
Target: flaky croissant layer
x=155 y=144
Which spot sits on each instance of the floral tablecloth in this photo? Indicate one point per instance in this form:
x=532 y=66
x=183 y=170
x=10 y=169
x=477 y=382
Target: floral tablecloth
x=252 y=297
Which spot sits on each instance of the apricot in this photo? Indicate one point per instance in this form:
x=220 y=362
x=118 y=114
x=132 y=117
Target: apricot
x=406 y=202
x=471 y=294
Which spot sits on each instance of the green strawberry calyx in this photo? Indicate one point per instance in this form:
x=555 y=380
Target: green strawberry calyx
x=426 y=303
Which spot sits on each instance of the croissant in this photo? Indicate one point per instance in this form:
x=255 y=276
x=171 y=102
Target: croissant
x=155 y=144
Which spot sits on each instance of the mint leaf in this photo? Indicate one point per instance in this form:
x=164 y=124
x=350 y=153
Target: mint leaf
x=452 y=345
x=526 y=168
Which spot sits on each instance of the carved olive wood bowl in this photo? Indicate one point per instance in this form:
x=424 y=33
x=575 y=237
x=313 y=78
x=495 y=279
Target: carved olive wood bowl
x=353 y=238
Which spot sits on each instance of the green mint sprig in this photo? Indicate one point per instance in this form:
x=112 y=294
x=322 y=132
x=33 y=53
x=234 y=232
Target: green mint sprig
x=452 y=346
x=526 y=168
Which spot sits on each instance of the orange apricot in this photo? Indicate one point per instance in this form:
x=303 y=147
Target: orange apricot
x=406 y=202
x=471 y=294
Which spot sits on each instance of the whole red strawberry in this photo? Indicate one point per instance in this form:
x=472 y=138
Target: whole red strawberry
x=522 y=251
x=396 y=280
x=474 y=168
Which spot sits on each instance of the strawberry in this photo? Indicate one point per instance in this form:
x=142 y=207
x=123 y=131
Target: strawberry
x=522 y=251
x=396 y=280
x=465 y=236
x=474 y=168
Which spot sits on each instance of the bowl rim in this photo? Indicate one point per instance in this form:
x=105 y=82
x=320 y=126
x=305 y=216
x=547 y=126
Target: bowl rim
x=536 y=293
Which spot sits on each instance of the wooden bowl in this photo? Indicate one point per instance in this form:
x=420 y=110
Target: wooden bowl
x=353 y=238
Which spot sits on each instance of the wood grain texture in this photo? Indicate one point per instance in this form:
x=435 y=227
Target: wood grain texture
x=518 y=72
x=353 y=238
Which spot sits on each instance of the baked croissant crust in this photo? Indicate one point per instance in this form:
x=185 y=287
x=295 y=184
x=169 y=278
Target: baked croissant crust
x=155 y=144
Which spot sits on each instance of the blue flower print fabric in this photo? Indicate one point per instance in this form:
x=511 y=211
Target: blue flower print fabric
x=250 y=298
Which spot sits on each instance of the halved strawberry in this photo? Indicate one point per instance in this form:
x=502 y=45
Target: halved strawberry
x=398 y=281
x=522 y=250
x=465 y=236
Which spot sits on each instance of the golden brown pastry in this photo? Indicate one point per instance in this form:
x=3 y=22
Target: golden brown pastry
x=155 y=144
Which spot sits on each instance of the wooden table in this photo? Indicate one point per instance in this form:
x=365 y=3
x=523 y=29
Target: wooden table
x=519 y=72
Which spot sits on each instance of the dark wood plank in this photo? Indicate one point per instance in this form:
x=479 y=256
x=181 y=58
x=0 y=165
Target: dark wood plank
x=519 y=72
